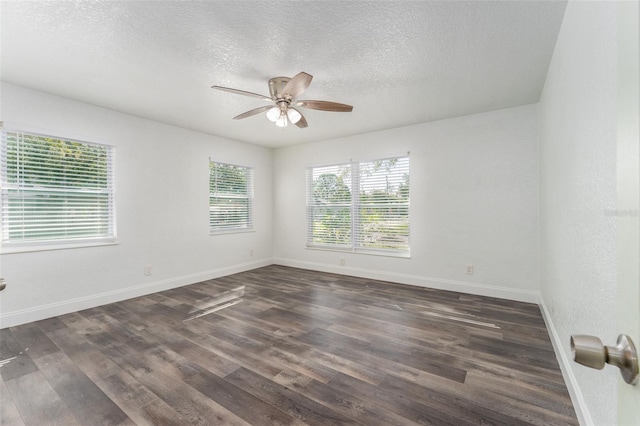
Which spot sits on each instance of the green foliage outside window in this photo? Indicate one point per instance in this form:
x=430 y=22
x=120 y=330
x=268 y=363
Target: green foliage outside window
x=55 y=189
x=375 y=217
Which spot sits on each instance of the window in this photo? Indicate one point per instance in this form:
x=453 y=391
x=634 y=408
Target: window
x=55 y=190
x=360 y=206
x=230 y=198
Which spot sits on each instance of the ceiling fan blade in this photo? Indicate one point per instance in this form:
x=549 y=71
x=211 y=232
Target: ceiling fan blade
x=297 y=85
x=242 y=92
x=325 y=106
x=302 y=123
x=253 y=112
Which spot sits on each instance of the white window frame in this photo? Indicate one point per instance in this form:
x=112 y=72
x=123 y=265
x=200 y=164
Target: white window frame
x=234 y=225
x=355 y=243
x=16 y=193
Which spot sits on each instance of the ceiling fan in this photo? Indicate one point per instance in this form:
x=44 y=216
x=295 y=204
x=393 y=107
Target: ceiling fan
x=284 y=91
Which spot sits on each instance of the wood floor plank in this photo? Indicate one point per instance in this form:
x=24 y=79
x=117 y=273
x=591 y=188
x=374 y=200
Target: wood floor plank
x=14 y=358
x=9 y=414
x=363 y=410
x=265 y=366
x=292 y=403
x=195 y=407
x=269 y=347
x=244 y=404
x=396 y=402
x=31 y=337
x=441 y=397
x=479 y=402
x=558 y=402
x=167 y=382
x=84 y=398
x=84 y=355
x=344 y=346
x=139 y=403
x=303 y=347
x=214 y=363
x=50 y=324
x=38 y=403
x=298 y=356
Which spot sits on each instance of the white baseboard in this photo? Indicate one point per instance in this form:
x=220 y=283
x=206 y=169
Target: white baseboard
x=10 y=319
x=582 y=411
x=420 y=281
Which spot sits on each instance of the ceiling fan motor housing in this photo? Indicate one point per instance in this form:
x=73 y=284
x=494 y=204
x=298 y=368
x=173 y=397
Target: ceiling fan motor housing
x=276 y=87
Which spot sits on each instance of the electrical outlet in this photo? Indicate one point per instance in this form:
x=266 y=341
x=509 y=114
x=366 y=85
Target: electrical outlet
x=469 y=270
x=148 y=269
x=343 y=262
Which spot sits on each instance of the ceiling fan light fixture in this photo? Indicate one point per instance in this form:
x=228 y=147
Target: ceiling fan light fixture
x=282 y=121
x=294 y=116
x=273 y=114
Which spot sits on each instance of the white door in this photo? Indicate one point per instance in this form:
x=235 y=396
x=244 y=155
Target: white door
x=628 y=176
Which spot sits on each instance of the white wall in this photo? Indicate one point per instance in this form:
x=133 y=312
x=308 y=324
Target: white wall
x=162 y=212
x=578 y=186
x=474 y=200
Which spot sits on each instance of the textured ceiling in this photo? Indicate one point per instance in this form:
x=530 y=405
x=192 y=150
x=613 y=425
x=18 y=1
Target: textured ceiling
x=396 y=62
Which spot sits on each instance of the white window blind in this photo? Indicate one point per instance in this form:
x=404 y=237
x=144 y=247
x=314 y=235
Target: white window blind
x=230 y=197
x=55 y=190
x=360 y=206
x=382 y=205
x=329 y=206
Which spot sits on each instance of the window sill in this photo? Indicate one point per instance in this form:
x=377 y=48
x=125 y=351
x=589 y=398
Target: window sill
x=231 y=231
x=383 y=253
x=41 y=246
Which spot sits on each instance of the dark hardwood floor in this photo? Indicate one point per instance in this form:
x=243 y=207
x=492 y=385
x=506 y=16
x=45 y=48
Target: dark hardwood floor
x=278 y=345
